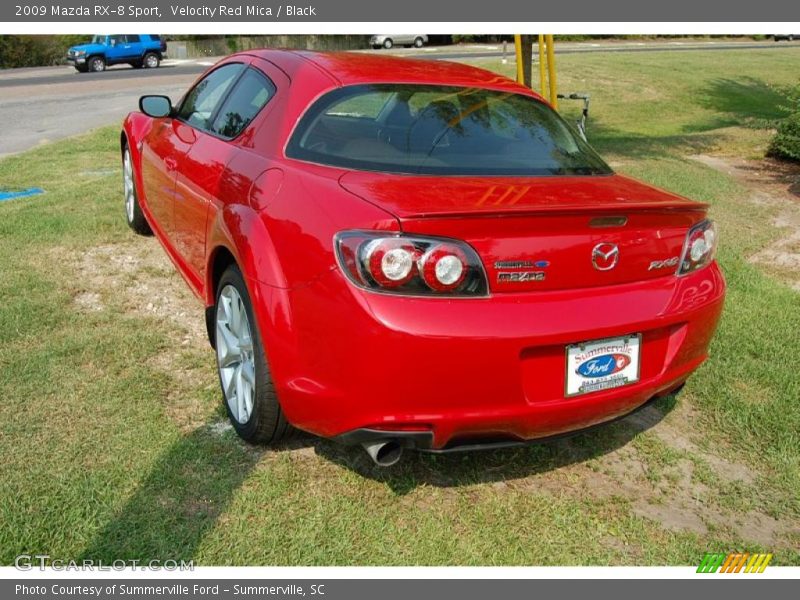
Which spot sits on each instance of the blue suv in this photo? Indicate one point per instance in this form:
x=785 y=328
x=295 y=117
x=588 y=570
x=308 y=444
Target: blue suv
x=106 y=50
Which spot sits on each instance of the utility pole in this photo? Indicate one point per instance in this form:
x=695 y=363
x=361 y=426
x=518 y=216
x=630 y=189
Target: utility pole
x=524 y=44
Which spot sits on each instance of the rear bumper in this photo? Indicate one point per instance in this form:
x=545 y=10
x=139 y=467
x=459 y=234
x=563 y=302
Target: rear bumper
x=466 y=370
x=423 y=440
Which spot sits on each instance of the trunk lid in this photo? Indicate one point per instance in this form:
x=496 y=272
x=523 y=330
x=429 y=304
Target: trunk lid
x=545 y=233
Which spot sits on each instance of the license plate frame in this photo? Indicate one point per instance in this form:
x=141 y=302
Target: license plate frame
x=581 y=354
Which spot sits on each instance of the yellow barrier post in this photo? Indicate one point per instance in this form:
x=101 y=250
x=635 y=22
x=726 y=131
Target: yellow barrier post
x=518 y=46
x=551 y=69
x=542 y=75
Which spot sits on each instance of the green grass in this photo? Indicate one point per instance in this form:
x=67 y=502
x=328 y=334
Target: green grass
x=659 y=103
x=105 y=455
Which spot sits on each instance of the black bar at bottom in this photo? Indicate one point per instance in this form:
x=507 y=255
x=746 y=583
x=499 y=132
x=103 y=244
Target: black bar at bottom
x=732 y=586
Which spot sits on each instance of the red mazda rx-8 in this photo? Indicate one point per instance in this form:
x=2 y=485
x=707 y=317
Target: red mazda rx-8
x=410 y=254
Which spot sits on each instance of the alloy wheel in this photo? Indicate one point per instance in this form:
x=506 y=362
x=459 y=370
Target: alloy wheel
x=127 y=182
x=235 y=358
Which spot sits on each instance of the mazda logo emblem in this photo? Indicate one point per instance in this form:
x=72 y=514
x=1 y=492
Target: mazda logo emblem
x=605 y=256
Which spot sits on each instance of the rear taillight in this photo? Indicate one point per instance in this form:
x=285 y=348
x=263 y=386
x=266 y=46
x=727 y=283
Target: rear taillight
x=700 y=247
x=389 y=262
x=443 y=267
x=410 y=265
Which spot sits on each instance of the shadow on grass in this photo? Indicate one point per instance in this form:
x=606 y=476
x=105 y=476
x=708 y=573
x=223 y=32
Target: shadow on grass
x=469 y=468
x=194 y=481
x=746 y=102
x=178 y=502
x=610 y=141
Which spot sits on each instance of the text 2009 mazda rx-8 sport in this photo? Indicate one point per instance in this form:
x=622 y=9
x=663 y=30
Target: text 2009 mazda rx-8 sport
x=412 y=254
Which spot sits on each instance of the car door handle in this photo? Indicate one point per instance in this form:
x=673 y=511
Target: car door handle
x=171 y=163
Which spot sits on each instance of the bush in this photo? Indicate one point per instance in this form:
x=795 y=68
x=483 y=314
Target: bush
x=36 y=50
x=786 y=143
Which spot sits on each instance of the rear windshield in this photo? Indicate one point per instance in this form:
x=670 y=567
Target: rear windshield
x=440 y=130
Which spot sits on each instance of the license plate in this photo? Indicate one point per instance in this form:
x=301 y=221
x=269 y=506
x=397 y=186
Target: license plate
x=602 y=364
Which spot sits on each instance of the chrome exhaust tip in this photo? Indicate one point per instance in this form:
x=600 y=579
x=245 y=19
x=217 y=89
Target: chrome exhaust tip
x=384 y=453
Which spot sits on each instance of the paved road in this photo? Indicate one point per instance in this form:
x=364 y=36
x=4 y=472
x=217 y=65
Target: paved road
x=42 y=105
x=48 y=104
x=496 y=50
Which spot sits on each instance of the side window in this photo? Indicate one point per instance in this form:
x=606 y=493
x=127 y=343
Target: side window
x=249 y=96
x=132 y=39
x=116 y=40
x=200 y=103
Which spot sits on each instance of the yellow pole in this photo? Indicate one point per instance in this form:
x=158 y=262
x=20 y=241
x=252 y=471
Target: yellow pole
x=542 y=75
x=518 y=45
x=551 y=68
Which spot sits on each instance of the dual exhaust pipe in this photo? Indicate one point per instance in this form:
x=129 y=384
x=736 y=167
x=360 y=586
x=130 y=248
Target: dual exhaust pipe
x=384 y=452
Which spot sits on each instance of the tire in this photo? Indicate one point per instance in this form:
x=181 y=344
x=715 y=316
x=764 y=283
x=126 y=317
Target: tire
x=151 y=60
x=133 y=212
x=418 y=42
x=96 y=64
x=263 y=421
x=388 y=43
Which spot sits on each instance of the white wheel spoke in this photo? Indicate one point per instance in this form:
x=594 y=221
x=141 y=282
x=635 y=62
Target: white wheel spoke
x=240 y=396
x=226 y=308
x=230 y=388
x=229 y=350
x=248 y=373
x=236 y=316
x=226 y=338
x=231 y=360
x=248 y=398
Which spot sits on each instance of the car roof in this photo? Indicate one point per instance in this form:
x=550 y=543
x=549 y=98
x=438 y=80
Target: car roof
x=353 y=68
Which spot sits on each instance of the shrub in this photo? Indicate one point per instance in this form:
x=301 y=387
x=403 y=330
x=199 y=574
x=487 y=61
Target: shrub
x=36 y=50
x=786 y=142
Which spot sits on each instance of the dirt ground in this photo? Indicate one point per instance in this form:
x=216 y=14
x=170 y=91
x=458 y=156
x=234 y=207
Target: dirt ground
x=775 y=184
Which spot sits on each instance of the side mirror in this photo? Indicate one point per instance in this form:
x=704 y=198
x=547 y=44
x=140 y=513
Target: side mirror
x=156 y=106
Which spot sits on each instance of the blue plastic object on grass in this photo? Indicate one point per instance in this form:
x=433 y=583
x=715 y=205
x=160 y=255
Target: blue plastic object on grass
x=12 y=195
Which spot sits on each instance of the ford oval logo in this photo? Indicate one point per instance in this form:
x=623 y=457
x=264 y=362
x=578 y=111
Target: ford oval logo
x=606 y=364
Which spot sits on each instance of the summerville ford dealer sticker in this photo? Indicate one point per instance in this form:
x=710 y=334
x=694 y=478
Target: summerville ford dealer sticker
x=602 y=364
